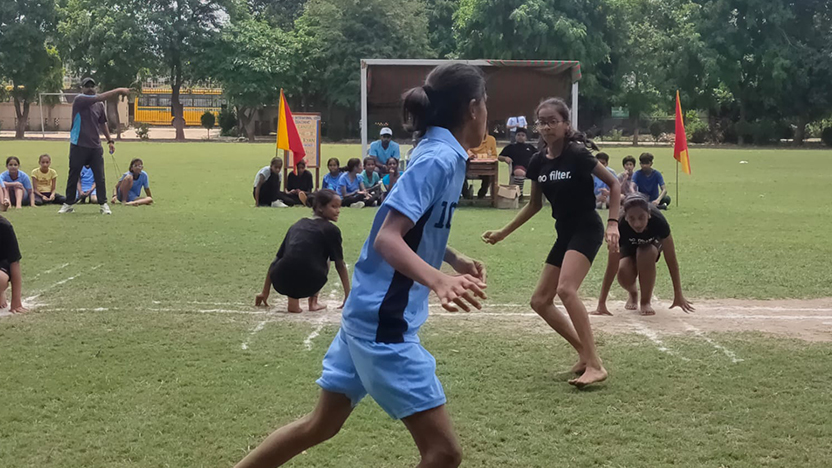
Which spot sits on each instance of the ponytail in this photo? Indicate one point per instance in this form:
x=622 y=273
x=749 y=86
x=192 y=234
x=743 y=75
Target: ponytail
x=444 y=98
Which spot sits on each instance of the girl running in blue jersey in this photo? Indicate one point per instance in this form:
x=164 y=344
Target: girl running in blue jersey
x=562 y=171
x=377 y=350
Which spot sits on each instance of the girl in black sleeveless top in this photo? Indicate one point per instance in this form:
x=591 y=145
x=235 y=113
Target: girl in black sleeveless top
x=563 y=171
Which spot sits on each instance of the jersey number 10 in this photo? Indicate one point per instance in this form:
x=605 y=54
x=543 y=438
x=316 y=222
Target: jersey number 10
x=446 y=211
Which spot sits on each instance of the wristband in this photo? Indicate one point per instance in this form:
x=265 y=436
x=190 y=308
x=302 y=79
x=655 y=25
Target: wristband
x=612 y=220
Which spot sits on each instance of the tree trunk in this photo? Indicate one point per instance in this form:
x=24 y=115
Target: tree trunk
x=177 y=110
x=22 y=115
x=800 y=131
x=635 y=131
x=246 y=115
x=742 y=126
x=113 y=117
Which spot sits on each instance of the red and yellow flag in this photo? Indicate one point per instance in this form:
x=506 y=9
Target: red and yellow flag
x=680 y=148
x=287 y=133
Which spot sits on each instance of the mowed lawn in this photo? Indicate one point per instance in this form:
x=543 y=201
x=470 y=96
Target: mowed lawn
x=120 y=369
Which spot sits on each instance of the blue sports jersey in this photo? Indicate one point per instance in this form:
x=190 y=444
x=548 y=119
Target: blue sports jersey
x=331 y=182
x=384 y=305
x=87 y=179
x=599 y=184
x=22 y=177
x=350 y=185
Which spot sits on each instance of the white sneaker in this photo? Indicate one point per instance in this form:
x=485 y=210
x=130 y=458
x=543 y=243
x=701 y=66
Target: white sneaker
x=279 y=204
x=105 y=209
x=66 y=209
x=357 y=205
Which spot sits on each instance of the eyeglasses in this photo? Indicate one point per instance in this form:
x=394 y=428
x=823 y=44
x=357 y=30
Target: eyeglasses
x=547 y=123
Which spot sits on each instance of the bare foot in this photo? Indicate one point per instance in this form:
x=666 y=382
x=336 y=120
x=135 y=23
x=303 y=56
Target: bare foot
x=601 y=310
x=632 y=300
x=18 y=309
x=646 y=309
x=579 y=368
x=3 y=302
x=591 y=375
x=316 y=307
x=294 y=306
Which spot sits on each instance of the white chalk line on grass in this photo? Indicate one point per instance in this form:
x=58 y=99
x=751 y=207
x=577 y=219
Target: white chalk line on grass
x=59 y=267
x=730 y=354
x=253 y=332
x=646 y=331
x=33 y=298
x=307 y=342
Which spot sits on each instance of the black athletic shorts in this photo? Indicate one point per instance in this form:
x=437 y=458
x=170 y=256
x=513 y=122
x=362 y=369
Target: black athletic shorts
x=6 y=267
x=628 y=250
x=297 y=279
x=583 y=234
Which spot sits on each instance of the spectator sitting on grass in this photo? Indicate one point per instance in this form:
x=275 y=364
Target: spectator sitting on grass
x=392 y=176
x=45 y=180
x=330 y=181
x=651 y=183
x=128 y=190
x=267 y=184
x=299 y=184
x=18 y=185
x=626 y=177
x=602 y=190
x=86 y=186
x=351 y=188
x=370 y=177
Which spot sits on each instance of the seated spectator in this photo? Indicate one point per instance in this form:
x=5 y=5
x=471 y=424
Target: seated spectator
x=392 y=176
x=128 y=190
x=267 y=184
x=602 y=190
x=86 y=186
x=18 y=185
x=385 y=148
x=330 y=181
x=651 y=183
x=626 y=177
x=513 y=125
x=299 y=184
x=45 y=180
x=351 y=188
x=486 y=150
x=518 y=155
x=371 y=178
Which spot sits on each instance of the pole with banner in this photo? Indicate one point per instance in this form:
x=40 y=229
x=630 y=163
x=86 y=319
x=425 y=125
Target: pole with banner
x=287 y=135
x=680 y=146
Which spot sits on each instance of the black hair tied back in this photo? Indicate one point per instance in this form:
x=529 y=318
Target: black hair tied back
x=444 y=98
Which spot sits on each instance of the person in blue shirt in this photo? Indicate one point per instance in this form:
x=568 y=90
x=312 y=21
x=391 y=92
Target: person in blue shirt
x=372 y=179
x=17 y=184
x=351 y=186
x=384 y=148
x=86 y=186
x=330 y=181
x=393 y=173
x=602 y=190
x=129 y=188
x=651 y=183
x=377 y=350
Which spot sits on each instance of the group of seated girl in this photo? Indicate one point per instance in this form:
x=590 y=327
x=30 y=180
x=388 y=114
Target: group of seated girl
x=358 y=185
x=268 y=186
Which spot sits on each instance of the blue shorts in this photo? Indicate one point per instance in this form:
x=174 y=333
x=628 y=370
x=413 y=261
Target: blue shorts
x=401 y=377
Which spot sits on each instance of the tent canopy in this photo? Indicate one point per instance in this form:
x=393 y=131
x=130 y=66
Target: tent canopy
x=515 y=87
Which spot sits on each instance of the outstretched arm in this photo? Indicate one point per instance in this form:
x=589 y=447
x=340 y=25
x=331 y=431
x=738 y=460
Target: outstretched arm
x=673 y=266
x=453 y=291
x=525 y=214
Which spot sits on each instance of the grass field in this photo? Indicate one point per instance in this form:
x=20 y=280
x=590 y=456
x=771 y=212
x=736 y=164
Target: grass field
x=134 y=356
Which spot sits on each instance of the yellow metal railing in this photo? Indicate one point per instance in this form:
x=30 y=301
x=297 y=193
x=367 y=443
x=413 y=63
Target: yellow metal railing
x=162 y=115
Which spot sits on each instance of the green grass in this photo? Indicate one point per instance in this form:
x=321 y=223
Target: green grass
x=137 y=387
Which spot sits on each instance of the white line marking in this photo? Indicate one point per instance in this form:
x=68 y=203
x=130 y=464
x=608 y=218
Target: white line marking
x=644 y=330
x=63 y=281
x=307 y=343
x=59 y=267
x=731 y=355
x=259 y=327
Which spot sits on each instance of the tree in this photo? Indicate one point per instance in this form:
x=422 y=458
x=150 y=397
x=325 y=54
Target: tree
x=208 y=120
x=538 y=29
x=251 y=60
x=28 y=60
x=441 y=27
x=109 y=40
x=334 y=35
x=180 y=30
x=280 y=13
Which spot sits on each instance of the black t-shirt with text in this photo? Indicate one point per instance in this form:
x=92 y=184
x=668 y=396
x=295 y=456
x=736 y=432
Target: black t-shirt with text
x=302 y=182
x=519 y=153
x=313 y=242
x=9 y=250
x=657 y=230
x=566 y=181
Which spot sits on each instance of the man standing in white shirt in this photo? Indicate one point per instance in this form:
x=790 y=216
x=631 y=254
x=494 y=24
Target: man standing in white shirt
x=513 y=123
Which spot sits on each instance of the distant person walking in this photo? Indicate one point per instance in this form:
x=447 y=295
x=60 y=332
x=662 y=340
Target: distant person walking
x=88 y=118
